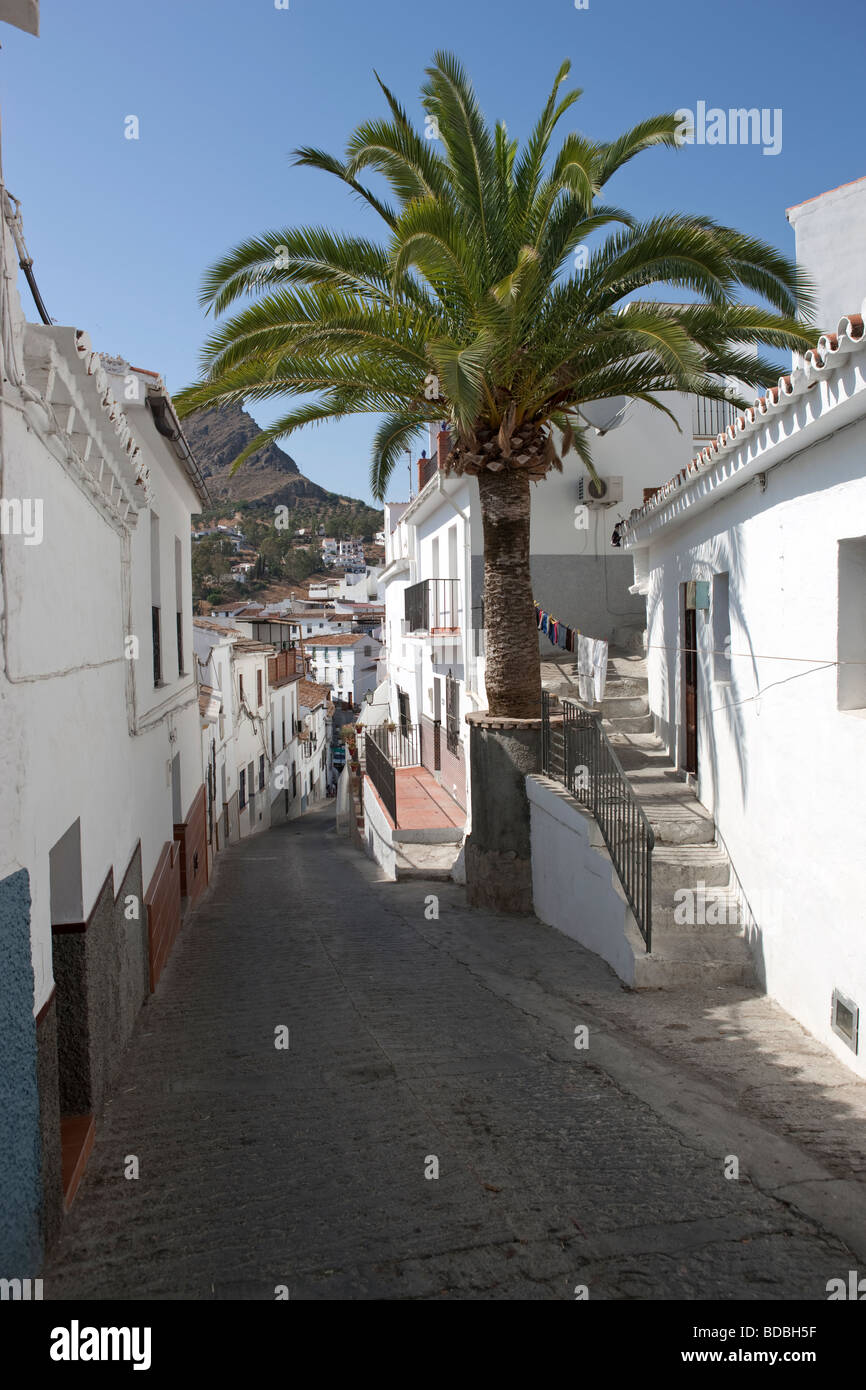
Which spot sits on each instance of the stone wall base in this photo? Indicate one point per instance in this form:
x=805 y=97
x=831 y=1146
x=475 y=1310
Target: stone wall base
x=498 y=880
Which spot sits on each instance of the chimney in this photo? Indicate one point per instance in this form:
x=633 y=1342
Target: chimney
x=443 y=446
x=426 y=469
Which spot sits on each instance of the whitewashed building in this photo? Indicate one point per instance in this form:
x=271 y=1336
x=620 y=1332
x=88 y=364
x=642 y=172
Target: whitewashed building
x=315 y=714
x=433 y=654
x=102 y=829
x=756 y=559
x=346 y=663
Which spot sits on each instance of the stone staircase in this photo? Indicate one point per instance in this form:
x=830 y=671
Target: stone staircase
x=711 y=948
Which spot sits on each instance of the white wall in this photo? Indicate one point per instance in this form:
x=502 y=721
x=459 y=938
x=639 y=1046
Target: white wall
x=831 y=248
x=84 y=735
x=574 y=884
x=780 y=766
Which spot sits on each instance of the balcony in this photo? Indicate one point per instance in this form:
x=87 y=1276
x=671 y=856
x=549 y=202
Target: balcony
x=711 y=418
x=432 y=607
x=287 y=663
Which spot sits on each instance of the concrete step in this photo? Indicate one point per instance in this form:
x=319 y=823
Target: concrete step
x=685 y=866
x=625 y=685
x=425 y=861
x=717 y=902
x=628 y=724
x=701 y=944
x=617 y=706
x=677 y=820
x=658 y=972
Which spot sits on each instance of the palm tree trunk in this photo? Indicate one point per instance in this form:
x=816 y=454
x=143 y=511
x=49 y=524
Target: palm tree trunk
x=512 y=673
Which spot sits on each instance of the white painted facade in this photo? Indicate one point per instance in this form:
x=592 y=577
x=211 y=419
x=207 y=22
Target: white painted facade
x=831 y=248
x=435 y=537
x=347 y=666
x=314 y=765
x=87 y=737
x=774 y=522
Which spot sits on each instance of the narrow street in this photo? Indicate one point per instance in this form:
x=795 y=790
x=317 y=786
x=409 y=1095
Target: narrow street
x=412 y=1038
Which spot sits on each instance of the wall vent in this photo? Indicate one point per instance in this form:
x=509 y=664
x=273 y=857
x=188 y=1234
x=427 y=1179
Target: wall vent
x=845 y=1019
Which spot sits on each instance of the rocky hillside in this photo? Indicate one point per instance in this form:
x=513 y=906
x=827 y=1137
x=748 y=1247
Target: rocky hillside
x=216 y=437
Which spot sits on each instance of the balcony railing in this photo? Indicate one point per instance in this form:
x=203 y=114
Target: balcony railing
x=401 y=745
x=432 y=606
x=710 y=418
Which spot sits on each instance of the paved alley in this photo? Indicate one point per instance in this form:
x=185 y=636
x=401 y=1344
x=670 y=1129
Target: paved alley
x=417 y=1041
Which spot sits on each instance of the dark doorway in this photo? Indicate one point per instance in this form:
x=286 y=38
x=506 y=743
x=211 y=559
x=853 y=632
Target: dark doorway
x=437 y=724
x=690 y=680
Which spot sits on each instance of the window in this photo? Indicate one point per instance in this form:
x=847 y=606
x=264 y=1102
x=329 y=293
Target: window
x=178 y=602
x=721 y=628
x=294 y=780
x=259 y=700
x=284 y=721
x=241 y=686
x=157 y=651
x=851 y=637
x=242 y=789
x=262 y=773
x=155 y=599
x=452 y=714
x=368 y=650
x=273 y=743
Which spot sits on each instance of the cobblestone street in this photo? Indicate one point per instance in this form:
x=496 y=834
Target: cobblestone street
x=413 y=1038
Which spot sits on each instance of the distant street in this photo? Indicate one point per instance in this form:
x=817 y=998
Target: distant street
x=415 y=1041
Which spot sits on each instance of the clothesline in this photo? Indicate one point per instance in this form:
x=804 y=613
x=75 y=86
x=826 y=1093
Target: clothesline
x=591 y=654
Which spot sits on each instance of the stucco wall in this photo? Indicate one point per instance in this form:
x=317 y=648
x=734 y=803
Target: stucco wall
x=782 y=769
x=574 y=885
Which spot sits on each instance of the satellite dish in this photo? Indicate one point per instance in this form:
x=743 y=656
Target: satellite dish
x=605 y=414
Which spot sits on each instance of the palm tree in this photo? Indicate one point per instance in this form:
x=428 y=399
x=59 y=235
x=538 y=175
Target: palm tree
x=484 y=307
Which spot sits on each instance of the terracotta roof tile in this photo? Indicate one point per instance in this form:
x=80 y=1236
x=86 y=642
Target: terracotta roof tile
x=830 y=350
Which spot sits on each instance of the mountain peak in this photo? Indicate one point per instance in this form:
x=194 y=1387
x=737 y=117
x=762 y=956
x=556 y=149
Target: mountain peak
x=218 y=434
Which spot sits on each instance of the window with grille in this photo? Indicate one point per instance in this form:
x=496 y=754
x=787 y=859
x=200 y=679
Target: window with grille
x=452 y=714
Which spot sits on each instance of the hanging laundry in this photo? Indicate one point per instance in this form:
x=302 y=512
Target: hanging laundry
x=584 y=669
x=599 y=669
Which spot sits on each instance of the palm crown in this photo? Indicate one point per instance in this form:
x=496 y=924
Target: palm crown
x=483 y=306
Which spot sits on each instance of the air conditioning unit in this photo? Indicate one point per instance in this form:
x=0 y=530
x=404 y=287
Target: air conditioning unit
x=607 y=492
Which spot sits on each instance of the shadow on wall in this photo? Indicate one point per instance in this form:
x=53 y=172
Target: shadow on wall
x=20 y=1151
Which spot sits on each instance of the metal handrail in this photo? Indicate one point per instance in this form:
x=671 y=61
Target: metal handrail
x=381 y=771
x=578 y=753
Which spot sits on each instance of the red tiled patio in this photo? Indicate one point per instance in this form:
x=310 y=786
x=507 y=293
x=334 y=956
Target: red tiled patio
x=422 y=804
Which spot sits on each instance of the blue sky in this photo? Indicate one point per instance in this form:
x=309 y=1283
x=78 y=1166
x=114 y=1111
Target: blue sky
x=121 y=230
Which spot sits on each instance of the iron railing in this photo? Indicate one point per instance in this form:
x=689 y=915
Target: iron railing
x=432 y=606
x=711 y=417
x=380 y=770
x=577 y=752
x=401 y=745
